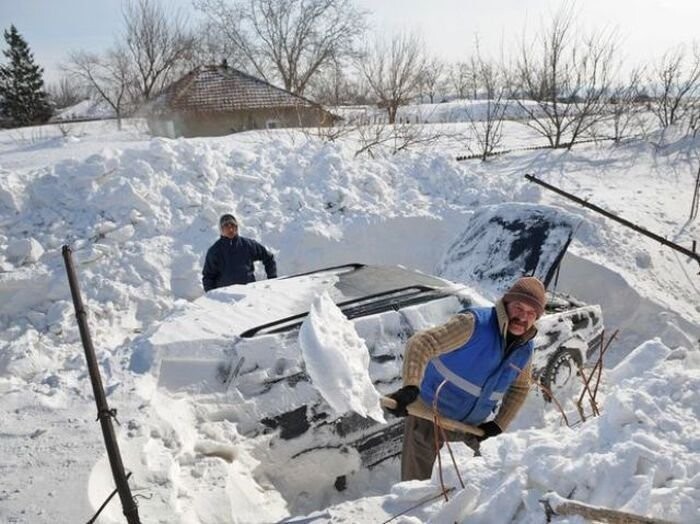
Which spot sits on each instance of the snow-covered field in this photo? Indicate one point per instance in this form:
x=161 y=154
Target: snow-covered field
x=140 y=213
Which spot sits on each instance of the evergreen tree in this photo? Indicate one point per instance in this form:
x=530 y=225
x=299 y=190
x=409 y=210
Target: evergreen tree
x=22 y=96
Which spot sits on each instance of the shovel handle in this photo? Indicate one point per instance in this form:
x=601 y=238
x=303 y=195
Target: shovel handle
x=420 y=410
x=388 y=402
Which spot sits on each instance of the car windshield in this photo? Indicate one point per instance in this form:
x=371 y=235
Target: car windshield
x=365 y=281
x=364 y=290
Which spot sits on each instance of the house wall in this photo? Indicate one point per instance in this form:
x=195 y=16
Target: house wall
x=189 y=124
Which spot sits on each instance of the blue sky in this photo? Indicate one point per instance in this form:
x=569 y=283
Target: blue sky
x=55 y=27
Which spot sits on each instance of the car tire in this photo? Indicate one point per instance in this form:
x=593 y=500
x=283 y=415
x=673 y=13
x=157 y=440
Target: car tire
x=562 y=366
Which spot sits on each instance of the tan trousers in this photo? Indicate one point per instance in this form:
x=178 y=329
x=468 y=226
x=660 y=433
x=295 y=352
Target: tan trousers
x=419 y=451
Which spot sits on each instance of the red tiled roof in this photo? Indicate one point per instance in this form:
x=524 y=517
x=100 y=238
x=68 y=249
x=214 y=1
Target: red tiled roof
x=221 y=88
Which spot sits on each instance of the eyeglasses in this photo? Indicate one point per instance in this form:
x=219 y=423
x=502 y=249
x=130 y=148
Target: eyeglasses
x=229 y=224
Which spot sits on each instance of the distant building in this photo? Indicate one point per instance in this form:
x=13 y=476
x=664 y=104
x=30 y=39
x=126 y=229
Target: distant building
x=218 y=100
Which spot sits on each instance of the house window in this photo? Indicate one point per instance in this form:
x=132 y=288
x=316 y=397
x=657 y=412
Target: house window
x=272 y=124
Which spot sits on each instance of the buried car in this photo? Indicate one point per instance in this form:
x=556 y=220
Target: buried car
x=237 y=349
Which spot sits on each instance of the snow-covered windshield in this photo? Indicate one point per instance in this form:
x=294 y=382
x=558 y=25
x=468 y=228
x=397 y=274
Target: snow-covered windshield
x=506 y=241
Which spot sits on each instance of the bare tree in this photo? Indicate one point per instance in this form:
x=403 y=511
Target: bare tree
x=590 y=90
x=487 y=125
x=625 y=107
x=109 y=77
x=675 y=83
x=337 y=86
x=157 y=43
x=393 y=138
x=330 y=86
x=694 y=117
x=542 y=75
x=289 y=40
x=212 y=47
x=463 y=80
x=393 y=70
x=65 y=93
x=567 y=77
x=433 y=78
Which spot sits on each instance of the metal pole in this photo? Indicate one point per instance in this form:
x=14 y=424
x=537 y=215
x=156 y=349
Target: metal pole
x=690 y=253
x=103 y=412
x=696 y=197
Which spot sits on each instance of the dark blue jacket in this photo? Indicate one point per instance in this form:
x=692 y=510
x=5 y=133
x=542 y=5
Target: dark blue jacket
x=230 y=261
x=477 y=374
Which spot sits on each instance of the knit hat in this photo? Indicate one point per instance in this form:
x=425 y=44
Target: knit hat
x=529 y=290
x=227 y=219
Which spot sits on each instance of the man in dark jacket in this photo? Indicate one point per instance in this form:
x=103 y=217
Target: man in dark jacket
x=475 y=368
x=230 y=259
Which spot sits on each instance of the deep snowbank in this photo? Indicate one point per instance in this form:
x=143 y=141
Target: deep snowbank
x=140 y=213
x=620 y=460
x=140 y=220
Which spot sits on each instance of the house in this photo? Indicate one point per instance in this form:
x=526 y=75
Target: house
x=218 y=100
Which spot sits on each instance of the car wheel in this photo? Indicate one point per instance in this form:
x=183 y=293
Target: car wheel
x=561 y=369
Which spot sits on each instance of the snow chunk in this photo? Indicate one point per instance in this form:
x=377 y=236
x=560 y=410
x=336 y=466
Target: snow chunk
x=337 y=360
x=459 y=508
x=25 y=250
x=643 y=358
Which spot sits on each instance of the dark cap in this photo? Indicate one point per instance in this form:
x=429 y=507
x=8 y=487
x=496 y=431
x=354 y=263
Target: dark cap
x=227 y=219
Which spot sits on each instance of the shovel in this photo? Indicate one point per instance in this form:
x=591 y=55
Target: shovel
x=419 y=409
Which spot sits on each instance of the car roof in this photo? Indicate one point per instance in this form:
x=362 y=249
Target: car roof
x=361 y=290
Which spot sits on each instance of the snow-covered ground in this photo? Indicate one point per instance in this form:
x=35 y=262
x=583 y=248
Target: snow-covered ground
x=445 y=112
x=140 y=213
x=89 y=109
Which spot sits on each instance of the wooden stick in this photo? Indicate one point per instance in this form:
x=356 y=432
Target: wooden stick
x=550 y=394
x=600 y=364
x=420 y=410
x=556 y=505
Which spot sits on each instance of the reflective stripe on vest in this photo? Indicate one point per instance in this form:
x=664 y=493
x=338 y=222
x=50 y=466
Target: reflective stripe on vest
x=458 y=381
x=461 y=383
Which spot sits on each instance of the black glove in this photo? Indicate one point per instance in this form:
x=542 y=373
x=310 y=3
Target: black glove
x=490 y=429
x=403 y=398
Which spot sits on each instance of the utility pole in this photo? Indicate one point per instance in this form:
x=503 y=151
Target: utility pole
x=104 y=414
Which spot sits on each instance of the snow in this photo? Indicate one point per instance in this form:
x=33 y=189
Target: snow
x=140 y=213
x=337 y=360
x=619 y=460
x=445 y=112
x=85 y=110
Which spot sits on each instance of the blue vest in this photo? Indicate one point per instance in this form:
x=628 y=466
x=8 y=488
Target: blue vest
x=477 y=374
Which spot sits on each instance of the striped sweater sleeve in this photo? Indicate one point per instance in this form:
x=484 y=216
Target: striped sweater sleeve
x=424 y=345
x=514 y=398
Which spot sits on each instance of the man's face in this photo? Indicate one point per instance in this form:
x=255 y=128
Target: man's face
x=521 y=317
x=229 y=230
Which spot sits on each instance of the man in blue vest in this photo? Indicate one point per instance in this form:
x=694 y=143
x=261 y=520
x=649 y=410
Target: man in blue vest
x=230 y=260
x=475 y=368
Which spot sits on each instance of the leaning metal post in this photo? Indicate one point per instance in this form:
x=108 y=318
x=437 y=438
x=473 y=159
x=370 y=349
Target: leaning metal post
x=692 y=253
x=103 y=412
